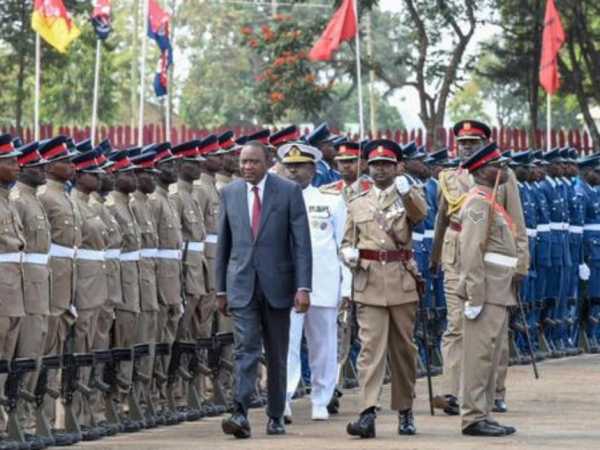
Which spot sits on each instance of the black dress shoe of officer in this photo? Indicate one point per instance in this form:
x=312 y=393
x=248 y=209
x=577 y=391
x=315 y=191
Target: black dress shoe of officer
x=35 y=443
x=364 y=427
x=333 y=407
x=500 y=406
x=237 y=425
x=447 y=403
x=507 y=428
x=64 y=439
x=484 y=428
x=275 y=426
x=10 y=445
x=406 y=422
x=90 y=434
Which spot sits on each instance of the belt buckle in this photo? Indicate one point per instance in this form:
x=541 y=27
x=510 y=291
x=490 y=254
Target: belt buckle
x=383 y=256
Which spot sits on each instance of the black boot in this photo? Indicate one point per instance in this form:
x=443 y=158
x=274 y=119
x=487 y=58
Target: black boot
x=364 y=427
x=406 y=422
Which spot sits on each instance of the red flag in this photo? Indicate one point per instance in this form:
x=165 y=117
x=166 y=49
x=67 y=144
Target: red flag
x=552 y=41
x=342 y=27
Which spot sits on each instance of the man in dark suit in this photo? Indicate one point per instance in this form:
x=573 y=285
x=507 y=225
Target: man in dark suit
x=263 y=268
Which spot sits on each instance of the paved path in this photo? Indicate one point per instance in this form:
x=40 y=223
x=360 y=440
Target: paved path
x=560 y=411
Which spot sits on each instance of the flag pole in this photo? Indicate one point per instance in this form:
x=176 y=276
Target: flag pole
x=361 y=118
x=96 y=88
x=548 y=121
x=168 y=115
x=36 y=104
x=142 y=73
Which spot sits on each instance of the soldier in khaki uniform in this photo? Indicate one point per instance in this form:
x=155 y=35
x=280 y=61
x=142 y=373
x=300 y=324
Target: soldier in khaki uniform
x=36 y=275
x=226 y=142
x=147 y=330
x=91 y=283
x=197 y=317
x=126 y=311
x=487 y=261
x=377 y=243
x=454 y=186
x=12 y=243
x=65 y=230
x=168 y=256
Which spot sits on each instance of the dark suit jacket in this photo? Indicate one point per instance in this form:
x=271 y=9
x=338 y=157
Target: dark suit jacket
x=281 y=255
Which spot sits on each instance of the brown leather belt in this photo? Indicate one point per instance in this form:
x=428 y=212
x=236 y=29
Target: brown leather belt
x=456 y=227
x=385 y=256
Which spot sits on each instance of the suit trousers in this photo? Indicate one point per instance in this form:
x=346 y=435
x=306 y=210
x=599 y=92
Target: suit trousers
x=482 y=345
x=320 y=327
x=387 y=330
x=255 y=325
x=452 y=339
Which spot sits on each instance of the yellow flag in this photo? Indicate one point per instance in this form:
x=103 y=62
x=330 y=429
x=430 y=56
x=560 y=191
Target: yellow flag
x=54 y=23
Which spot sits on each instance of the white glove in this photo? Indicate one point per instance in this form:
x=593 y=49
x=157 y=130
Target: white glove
x=350 y=256
x=472 y=312
x=402 y=184
x=584 y=272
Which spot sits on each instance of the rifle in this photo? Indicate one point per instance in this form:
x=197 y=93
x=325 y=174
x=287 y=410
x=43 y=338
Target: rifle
x=526 y=332
x=213 y=347
x=176 y=371
x=72 y=363
x=142 y=383
x=136 y=412
x=17 y=370
x=42 y=424
x=112 y=379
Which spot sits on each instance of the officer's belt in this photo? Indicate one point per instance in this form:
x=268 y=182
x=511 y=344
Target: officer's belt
x=168 y=254
x=36 y=258
x=211 y=238
x=149 y=252
x=90 y=255
x=592 y=227
x=418 y=237
x=428 y=234
x=60 y=251
x=455 y=226
x=112 y=253
x=194 y=246
x=576 y=229
x=385 y=256
x=130 y=256
x=500 y=260
x=11 y=257
x=543 y=228
x=559 y=226
x=532 y=232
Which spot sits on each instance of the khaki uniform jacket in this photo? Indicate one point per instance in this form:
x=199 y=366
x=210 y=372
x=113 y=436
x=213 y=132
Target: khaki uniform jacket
x=221 y=181
x=207 y=195
x=113 y=266
x=195 y=271
x=11 y=241
x=36 y=231
x=482 y=279
x=131 y=242
x=91 y=288
x=65 y=230
x=140 y=206
x=348 y=192
x=168 y=225
x=456 y=183
x=369 y=226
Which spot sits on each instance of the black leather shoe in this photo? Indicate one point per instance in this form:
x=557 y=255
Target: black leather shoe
x=64 y=439
x=364 y=427
x=333 y=407
x=500 y=406
x=507 y=428
x=275 y=425
x=447 y=403
x=237 y=425
x=484 y=428
x=406 y=422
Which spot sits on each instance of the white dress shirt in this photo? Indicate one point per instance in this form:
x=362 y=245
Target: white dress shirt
x=250 y=193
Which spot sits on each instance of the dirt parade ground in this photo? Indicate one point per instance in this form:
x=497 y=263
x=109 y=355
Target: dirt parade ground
x=560 y=411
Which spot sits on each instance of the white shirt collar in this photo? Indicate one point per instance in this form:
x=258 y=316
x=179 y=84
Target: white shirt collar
x=261 y=185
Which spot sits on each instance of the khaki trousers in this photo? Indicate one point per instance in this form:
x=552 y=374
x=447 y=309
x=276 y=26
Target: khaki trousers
x=452 y=339
x=482 y=342
x=383 y=331
x=83 y=341
x=500 y=393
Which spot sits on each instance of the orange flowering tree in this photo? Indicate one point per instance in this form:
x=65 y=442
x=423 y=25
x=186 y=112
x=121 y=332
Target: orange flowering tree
x=286 y=79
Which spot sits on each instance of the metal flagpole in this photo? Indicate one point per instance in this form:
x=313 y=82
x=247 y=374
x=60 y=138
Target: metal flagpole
x=168 y=115
x=548 y=122
x=96 y=88
x=361 y=118
x=142 y=73
x=36 y=105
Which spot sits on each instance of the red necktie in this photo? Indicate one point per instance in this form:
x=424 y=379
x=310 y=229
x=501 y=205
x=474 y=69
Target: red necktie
x=256 y=209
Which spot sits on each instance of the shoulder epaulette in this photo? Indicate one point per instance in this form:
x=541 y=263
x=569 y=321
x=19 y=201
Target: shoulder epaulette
x=357 y=195
x=334 y=188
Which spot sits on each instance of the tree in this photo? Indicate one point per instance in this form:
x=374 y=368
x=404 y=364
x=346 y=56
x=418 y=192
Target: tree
x=468 y=103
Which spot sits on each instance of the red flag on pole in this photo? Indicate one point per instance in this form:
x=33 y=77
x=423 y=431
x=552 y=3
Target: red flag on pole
x=552 y=41
x=341 y=27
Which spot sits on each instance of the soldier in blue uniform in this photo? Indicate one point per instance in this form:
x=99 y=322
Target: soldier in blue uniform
x=324 y=140
x=586 y=188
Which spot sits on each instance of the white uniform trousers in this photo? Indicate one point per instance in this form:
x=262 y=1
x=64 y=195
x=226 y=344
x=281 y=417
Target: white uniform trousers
x=320 y=327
